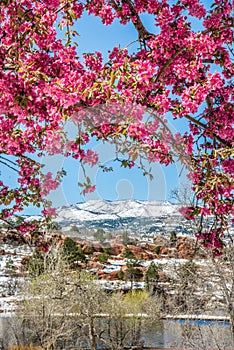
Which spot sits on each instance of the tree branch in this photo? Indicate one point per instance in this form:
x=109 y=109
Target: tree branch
x=143 y=33
x=9 y=161
x=7 y=222
x=202 y=125
x=218 y=30
x=167 y=64
x=9 y=166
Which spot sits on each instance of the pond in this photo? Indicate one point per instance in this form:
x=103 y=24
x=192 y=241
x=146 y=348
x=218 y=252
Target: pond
x=192 y=334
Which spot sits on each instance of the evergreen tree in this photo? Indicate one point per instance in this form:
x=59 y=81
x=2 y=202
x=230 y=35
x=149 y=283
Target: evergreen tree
x=151 y=277
x=72 y=252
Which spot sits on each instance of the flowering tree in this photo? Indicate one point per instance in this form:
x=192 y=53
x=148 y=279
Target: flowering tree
x=176 y=70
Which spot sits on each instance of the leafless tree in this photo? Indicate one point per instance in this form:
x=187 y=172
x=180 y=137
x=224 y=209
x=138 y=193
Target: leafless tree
x=64 y=308
x=129 y=314
x=212 y=286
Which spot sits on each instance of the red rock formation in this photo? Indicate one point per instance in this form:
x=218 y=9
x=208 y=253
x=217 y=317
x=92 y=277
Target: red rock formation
x=164 y=250
x=137 y=251
x=117 y=248
x=94 y=264
x=97 y=247
x=113 y=276
x=150 y=247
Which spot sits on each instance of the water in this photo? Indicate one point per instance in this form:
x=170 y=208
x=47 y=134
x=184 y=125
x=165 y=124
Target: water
x=195 y=334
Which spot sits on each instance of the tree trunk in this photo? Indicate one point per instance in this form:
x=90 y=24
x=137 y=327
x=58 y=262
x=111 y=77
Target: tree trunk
x=92 y=337
x=231 y=314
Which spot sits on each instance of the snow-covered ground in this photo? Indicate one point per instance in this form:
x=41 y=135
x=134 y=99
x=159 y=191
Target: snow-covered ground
x=10 y=274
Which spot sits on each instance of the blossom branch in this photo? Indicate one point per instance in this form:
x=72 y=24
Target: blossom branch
x=143 y=33
x=204 y=126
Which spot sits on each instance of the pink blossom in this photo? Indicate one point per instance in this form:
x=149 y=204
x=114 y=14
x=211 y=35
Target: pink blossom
x=49 y=212
x=90 y=157
x=53 y=142
x=26 y=228
x=187 y=213
x=205 y=211
x=43 y=247
x=212 y=239
x=176 y=70
x=228 y=166
x=48 y=184
x=89 y=189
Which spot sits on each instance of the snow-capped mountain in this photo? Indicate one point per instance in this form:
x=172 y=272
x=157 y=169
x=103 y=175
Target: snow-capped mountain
x=98 y=210
x=134 y=216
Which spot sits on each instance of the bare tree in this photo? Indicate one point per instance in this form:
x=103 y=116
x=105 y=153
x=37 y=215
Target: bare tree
x=64 y=308
x=48 y=315
x=222 y=270
x=129 y=314
x=212 y=286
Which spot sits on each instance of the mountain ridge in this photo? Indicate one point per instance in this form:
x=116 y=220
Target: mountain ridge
x=103 y=210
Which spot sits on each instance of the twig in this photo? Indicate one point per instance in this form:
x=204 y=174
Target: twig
x=9 y=166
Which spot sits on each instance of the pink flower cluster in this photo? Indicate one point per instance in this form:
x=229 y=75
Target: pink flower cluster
x=53 y=142
x=212 y=239
x=176 y=70
x=26 y=228
x=89 y=189
x=49 y=212
x=187 y=212
x=48 y=184
x=90 y=157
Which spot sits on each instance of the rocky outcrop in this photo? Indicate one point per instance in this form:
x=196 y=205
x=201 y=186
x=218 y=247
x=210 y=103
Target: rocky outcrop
x=2 y=251
x=94 y=264
x=117 y=248
x=161 y=240
x=137 y=251
x=185 y=247
x=12 y=237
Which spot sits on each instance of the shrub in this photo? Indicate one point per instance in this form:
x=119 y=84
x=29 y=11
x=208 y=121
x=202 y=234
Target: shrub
x=24 y=347
x=121 y=275
x=173 y=237
x=72 y=252
x=89 y=250
x=102 y=258
x=128 y=254
x=108 y=250
x=157 y=250
x=36 y=263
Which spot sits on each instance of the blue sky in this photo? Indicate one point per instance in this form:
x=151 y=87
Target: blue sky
x=121 y=183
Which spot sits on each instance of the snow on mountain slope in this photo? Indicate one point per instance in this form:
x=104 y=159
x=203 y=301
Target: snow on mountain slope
x=104 y=210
